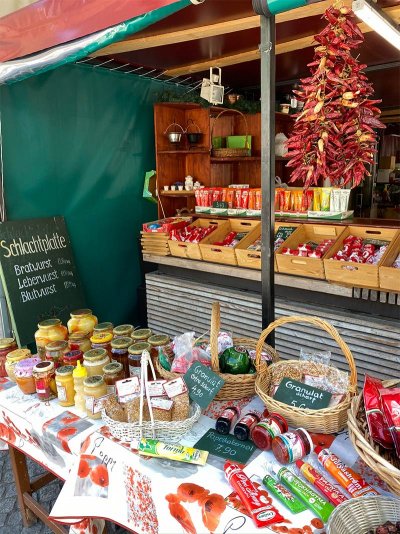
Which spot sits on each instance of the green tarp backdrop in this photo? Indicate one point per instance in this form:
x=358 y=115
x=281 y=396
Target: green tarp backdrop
x=77 y=142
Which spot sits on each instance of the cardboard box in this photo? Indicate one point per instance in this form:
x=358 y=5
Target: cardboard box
x=387 y=162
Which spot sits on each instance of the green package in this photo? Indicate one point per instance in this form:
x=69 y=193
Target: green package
x=283 y=495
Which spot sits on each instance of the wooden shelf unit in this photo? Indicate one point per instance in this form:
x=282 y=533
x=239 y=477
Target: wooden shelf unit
x=175 y=161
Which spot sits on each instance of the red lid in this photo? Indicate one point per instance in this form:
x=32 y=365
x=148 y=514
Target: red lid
x=299 y=463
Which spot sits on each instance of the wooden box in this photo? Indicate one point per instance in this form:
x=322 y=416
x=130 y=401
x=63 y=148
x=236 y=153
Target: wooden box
x=309 y=267
x=252 y=258
x=192 y=250
x=389 y=277
x=357 y=274
x=155 y=243
x=226 y=255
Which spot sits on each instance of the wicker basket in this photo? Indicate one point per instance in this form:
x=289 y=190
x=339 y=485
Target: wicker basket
x=325 y=421
x=168 y=431
x=372 y=454
x=358 y=516
x=230 y=152
x=235 y=386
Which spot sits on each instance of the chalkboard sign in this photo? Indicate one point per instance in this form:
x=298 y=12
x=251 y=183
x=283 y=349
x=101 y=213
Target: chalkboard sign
x=38 y=273
x=300 y=395
x=226 y=446
x=203 y=384
x=220 y=204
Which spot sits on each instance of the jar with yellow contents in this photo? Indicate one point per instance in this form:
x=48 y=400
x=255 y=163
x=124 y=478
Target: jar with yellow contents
x=123 y=330
x=102 y=340
x=141 y=335
x=44 y=375
x=7 y=345
x=82 y=321
x=49 y=330
x=94 y=360
x=55 y=351
x=95 y=391
x=79 y=341
x=13 y=358
x=119 y=352
x=65 y=385
x=103 y=328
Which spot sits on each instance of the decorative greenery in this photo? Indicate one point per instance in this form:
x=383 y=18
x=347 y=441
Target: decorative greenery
x=243 y=105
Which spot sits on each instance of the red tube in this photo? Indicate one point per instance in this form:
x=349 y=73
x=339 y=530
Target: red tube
x=313 y=476
x=262 y=513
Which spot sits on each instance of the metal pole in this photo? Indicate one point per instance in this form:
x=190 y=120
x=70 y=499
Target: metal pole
x=267 y=49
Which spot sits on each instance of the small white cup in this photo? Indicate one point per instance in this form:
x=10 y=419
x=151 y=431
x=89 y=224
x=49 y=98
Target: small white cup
x=166 y=187
x=173 y=187
x=180 y=187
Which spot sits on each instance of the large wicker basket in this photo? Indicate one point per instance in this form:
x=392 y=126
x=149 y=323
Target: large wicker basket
x=325 y=421
x=359 y=516
x=231 y=152
x=373 y=455
x=235 y=386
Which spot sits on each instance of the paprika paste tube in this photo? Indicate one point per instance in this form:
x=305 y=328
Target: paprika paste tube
x=313 y=476
x=262 y=513
x=347 y=478
x=311 y=499
x=283 y=494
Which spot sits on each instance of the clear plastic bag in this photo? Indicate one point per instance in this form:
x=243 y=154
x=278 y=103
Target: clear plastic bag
x=314 y=356
x=334 y=381
x=225 y=341
x=187 y=352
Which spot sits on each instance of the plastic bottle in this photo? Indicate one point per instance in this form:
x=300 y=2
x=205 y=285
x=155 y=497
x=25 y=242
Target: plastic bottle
x=79 y=374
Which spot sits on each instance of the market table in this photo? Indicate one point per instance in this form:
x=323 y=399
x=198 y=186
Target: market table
x=129 y=490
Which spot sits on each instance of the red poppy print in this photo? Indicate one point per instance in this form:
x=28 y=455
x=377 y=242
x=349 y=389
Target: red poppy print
x=99 y=475
x=83 y=469
x=92 y=477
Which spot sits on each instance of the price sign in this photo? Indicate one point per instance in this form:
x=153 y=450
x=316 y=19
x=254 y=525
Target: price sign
x=203 y=384
x=300 y=395
x=226 y=446
x=220 y=204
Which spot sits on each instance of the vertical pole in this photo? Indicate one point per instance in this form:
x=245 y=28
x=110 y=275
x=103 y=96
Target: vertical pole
x=267 y=49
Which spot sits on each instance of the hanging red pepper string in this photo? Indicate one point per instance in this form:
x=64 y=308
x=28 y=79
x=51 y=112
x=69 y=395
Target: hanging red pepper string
x=333 y=137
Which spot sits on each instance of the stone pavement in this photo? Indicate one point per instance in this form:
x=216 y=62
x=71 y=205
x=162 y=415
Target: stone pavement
x=10 y=517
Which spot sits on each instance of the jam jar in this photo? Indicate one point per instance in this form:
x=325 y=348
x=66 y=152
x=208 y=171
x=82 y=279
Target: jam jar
x=95 y=391
x=55 y=351
x=292 y=446
x=65 y=385
x=94 y=360
x=158 y=342
x=102 y=328
x=82 y=321
x=44 y=375
x=227 y=420
x=102 y=340
x=246 y=424
x=141 y=335
x=265 y=431
x=135 y=355
x=7 y=344
x=12 y=358
x=123 y=330
x=113 y=372
x=119 y=352
x=73 y=357
x=79 y=341
x=49 y=330
x=24 y=375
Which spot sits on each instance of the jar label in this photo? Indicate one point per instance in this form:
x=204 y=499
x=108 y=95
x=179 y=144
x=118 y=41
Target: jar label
x=61 y=392
x=94 y=405
x=135 y=371
x=294 y=446
x=249 y=420
x=111 y=390
x=271 y=427
x=162 y=404
x=231 y=415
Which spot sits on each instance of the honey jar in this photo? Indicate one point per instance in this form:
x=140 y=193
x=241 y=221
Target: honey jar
x=102 y=340
x=65 y=385
x=95 y=391
x=44 y=375
x=82 y=321
x=55 y=351
x=12 y=358
x=7 y=345
x=134 y=358
x=79 y=341
x=102 y=328
x=24 y=375
x=49 y=330
x=141 y=335
x=119 y=352
x=94 y=360
x=113 y=372
x=73 y=357
x=123 y=330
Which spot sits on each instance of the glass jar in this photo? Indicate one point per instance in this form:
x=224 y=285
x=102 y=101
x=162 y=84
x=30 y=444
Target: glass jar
x=12 y=358
x=65 y=385
x=102 y=341
x=79 y=341
x=7 y=344
x=103 y=328
x=227 y=420
x=24 y=375
x=113 y=372
x=156 y=342
x=45 y=381
x=141 y=335
x=49 y=330
x=55 y=351
x=95 y=391
x=292 y=446
x=94 y=360
x=134 y=358
x=73 y=357
x=243 y=428
x=119 y=352
x=82 y=321
x=265 y=431
x=123 y=330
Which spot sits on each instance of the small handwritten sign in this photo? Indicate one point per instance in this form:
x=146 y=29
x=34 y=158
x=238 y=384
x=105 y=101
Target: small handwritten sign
x=203 y=384
x=220 y=204
x=226 y=446
x=300 y=395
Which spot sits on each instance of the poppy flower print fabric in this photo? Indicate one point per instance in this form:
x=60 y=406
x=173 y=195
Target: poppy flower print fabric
x=93 y=479
x=142 y=513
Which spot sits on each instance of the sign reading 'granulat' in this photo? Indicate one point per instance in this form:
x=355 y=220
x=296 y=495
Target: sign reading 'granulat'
x=38 y=273
x=203 y=384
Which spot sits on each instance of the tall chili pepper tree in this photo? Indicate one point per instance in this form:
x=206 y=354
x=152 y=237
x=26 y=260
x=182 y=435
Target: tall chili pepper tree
x=333 y=137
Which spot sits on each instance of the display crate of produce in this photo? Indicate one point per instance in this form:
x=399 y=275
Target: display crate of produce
x=389 y=276
x=353 y=273
x=310 y=239
x=186 y=249
x=217 y=253
x=251 y=258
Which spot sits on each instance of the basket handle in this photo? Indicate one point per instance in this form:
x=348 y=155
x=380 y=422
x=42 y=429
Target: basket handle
x=226 y=111
x=324 y=325
x=174 y=124
x=189 y=122
x=214 y=331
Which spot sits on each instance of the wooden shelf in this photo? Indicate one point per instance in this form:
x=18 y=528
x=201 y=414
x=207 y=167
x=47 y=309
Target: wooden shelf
x=185 y=152
x=235 y=159
x=176 y=193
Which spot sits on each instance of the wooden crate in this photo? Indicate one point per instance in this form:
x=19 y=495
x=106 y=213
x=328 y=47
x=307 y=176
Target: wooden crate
x=226 y=255
x=389 y=277
x=357 y=274
x=155 y=243
x=308 y=267
x=192 y=250
x=252 y=258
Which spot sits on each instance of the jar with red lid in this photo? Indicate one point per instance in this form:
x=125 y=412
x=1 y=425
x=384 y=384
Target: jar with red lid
x=45 y=381
x=72 y=357
x=227 y=420
x=291 y=446
x=244 y=427
x=264 y=432
x=119 y=352
x=7 y=344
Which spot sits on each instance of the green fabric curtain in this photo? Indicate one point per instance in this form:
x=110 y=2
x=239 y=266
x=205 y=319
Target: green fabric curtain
x=77 y=142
